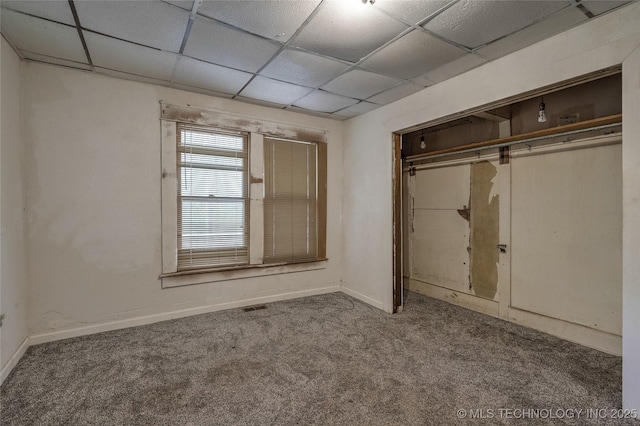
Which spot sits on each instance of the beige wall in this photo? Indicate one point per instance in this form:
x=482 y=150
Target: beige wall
x=600 y=43
x=13 y=281
x=94 y=225
x=631 y=231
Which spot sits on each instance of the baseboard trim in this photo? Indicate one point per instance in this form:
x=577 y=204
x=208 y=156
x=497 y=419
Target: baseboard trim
x=15 y=358
x=150 y=319
x=469 y=301
x=366 y=299
x=580 y=334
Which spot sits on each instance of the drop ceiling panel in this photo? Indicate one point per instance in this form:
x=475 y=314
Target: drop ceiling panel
x=184 y=4
x=151 y=23
x=325 y=102
x=58 y=11
x=414 y=54
x=303 y=68
x=599 y=6
x=457 y=67
x=361 y=107
x=139 y=40
x=348 y=30
x=201 y=90
x=555 y=24
x=129 y=76
x=220 y=44
x=193 y=72
x=132 y=58
x=259 y=102
x=360 y=84
x=55 y=61
x=474 y=23
x=39 y=36
x=277 y=92
x=411 y=11
x=395 y=93
x=276 y=20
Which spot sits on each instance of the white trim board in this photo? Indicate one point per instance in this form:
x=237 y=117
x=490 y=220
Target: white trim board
x=150 y=319
x=585 y=336
x=366 y=299
x=13 y=361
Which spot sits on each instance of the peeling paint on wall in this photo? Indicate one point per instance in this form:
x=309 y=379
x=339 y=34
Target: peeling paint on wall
x=485 y=221
x=465 y=213
x=189 y=114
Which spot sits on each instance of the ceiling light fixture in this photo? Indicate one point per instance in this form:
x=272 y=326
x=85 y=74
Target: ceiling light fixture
x=423 y=145
x=542 y=113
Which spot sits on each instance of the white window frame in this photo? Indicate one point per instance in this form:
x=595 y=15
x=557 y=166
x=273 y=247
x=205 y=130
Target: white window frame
x=257 y=129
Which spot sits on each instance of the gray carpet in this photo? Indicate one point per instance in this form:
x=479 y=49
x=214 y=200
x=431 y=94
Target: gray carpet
x=329 y=360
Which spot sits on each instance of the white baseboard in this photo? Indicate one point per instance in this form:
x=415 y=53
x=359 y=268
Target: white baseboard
x=150 y=319
x=585 y=336
x=13 y=361
x=580 y=334
x=366 y=299
x=469 y=301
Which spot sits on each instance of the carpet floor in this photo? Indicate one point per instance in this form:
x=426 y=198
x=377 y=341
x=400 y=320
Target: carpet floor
x=322 y=360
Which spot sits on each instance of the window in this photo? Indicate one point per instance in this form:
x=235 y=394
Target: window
x=290 y=201
x=239 y=196
x=212 y=198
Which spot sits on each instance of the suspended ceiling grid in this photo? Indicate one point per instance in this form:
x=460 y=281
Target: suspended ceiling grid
x=333 y=58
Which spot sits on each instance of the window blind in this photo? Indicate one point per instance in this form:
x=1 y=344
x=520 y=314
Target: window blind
x=212 y=198
x=290 y=202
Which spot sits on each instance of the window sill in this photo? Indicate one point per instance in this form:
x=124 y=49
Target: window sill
x=184 y=278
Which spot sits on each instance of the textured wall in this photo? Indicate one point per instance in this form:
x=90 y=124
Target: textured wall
x=93 y=180
x=13 y=281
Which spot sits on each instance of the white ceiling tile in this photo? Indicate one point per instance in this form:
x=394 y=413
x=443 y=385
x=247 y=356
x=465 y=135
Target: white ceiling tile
x=220 y=44
x=55 y=61
x=201 y=90
x=474 y=23
x=310 y=112
x=348 y=30
x=303 y=68
x=277 y=92
x=259 y=102
x=362 y=107
x=193 y=72
x=151 y=23
x=58 y=11
x=129 y=76
x=459 y=66
x=411 y=11
x=344 y=114
x=360 y=84
x=277 y=20
x=423 y=81
x=183 y=4
x=600 y=6
x=555 y=24
x=132 y=58
x=39 y=36
x=324 y=102
x=414 y=54
x=395 y=93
